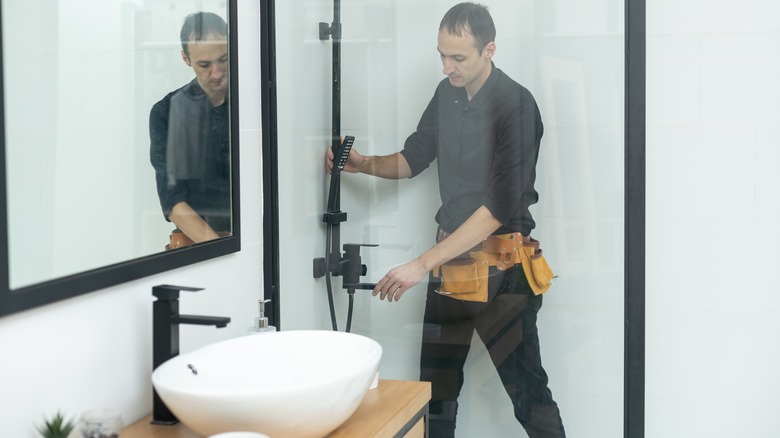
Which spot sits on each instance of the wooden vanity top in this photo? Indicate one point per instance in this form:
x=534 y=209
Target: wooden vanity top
x=393 y=406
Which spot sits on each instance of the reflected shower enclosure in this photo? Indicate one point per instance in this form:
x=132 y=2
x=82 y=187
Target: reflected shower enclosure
x=80 y=80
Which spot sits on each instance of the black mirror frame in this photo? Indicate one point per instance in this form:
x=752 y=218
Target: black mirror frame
x=28 y=297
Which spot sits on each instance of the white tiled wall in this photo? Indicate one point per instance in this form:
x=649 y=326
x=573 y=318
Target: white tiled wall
x=713 y=144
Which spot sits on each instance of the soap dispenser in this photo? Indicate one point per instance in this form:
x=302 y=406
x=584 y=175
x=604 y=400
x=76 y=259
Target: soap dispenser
x=261 y=322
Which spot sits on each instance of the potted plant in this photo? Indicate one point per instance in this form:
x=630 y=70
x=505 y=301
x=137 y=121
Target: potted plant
x=56 y=427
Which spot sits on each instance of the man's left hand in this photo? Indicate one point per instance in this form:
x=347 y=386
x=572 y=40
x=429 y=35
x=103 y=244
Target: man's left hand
x=393 y=285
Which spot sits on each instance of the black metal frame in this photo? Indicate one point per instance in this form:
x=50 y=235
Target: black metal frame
x=270 y=161
x=634 y=186
x=634 y=340
x=16 y=300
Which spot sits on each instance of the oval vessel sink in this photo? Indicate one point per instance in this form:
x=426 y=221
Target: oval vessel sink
x=288 y=384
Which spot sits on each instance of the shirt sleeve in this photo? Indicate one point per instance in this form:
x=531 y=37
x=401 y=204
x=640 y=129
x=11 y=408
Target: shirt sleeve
x=169 y=191
x=517 y=139
x=420 y=147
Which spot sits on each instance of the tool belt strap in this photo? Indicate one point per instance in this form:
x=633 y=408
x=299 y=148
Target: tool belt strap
x=500 y=250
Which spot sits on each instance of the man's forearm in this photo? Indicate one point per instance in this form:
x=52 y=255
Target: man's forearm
x=387 y=166
x=190 y=223
x=476 y=229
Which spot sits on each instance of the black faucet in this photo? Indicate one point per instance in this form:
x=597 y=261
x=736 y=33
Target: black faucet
x=165 y=336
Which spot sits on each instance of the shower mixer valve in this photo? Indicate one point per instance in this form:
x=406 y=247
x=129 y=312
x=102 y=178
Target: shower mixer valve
x=353 y=267
x=349 y=266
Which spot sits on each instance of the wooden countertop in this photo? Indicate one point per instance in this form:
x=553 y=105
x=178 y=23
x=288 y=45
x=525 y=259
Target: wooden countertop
x=393 y=406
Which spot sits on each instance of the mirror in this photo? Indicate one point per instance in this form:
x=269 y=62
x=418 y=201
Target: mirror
x=95 y=180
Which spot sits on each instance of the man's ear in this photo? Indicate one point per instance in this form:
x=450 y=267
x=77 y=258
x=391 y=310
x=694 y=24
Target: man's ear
x=489 y=50
x=185 y=58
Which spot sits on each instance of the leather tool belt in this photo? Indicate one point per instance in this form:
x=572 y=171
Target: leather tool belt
x=466 y=277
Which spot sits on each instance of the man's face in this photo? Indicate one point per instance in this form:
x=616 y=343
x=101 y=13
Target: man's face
x=463 y=63
x=209 y=60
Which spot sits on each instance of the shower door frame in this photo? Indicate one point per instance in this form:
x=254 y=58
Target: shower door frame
x=634 y=200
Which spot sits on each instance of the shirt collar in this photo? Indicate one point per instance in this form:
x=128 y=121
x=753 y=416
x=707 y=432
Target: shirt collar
x=194 y=91
x=478 y=101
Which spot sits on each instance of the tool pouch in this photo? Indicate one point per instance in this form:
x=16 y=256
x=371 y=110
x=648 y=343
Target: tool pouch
x=465 y=277
x=465 y=280
x=535 y=267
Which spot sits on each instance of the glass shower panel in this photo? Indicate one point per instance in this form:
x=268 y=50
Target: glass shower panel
x=569 y=55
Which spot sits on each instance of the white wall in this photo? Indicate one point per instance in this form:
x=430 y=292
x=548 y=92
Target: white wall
x=713 y=218
x=94 y=351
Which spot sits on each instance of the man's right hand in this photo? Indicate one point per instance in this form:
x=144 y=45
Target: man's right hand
x=353 y=161
x=393 y=166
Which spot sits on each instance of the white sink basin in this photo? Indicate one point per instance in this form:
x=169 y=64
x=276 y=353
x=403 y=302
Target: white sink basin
x=286 y=384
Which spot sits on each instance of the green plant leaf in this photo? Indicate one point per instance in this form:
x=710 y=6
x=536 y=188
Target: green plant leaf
x=56 y=427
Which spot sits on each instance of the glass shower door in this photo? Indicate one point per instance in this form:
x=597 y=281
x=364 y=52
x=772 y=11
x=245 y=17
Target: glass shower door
x=570 y=56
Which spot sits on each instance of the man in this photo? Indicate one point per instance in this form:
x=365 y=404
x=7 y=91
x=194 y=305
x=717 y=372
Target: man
x=189 y=133
x=484 y=130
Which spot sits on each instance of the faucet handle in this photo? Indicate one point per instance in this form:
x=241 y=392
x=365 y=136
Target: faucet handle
x=167 y=292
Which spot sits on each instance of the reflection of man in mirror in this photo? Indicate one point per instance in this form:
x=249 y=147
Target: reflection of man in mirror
x=484 y=129
x=189 y=132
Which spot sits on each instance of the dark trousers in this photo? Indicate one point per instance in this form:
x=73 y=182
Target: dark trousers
x=507 y=326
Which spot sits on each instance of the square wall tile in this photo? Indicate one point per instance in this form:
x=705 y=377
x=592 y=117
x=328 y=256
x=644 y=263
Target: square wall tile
x=251 y=7
x=676 y=17
x=672 y=154
x=419 y=21
x=767 y=177
x=700 y=173
x=580 y=173
x=579 y=81
x=303 y=78
x=746 y=16
x=303 y=183
x=708 y=263
x=574 y=17
x=718 y=417
x=709 y=373
x=739 y=84
x=673 y=76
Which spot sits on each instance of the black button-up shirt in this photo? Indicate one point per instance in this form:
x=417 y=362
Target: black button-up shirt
x=197 y=138
x=487 y=150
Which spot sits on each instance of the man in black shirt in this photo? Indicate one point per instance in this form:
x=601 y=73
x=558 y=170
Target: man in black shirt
x=484 y=130
x=189 y=133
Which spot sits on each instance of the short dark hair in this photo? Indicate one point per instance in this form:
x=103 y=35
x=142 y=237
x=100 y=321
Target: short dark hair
x=198 y=26
x=472 y=18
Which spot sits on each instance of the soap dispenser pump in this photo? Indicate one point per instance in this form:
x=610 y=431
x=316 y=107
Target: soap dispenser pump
x=261 y=322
